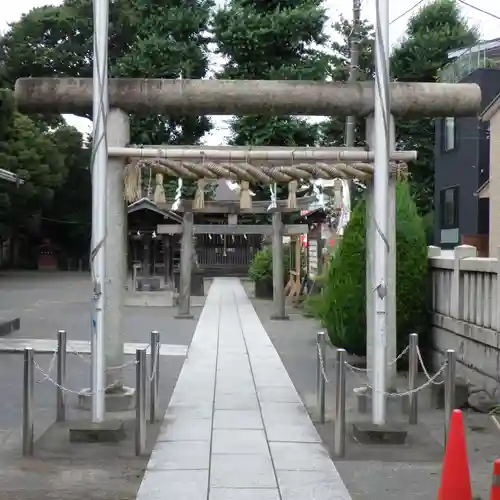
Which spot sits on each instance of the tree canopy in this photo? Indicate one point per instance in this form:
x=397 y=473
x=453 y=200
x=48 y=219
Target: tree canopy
x=170 y=39
x=149 y=39
x=332 y=131
x=431 y=33
x=41 y=157
x=272 y=40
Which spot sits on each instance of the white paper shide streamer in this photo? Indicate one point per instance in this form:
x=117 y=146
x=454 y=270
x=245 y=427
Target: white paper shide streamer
x=345 y=213
x=274 y=201
x=178 y=194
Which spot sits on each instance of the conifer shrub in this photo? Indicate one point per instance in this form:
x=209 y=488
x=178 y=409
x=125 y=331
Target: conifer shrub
x=341 y=307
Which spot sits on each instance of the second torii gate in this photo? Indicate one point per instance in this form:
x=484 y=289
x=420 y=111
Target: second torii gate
x=277 y=230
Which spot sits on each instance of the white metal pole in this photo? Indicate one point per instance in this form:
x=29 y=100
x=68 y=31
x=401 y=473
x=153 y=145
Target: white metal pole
x=381 y=188
x=99 y=160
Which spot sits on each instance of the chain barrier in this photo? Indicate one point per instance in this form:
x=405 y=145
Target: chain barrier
x=47 y=375
x=88 y=361
x=424 y=369
x=351 y=367
x=322 y=364
x=430 y=380
x=155 y=362
x=78 y=354
x=49 y=369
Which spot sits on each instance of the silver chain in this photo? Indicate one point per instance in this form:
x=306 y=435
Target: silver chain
x=412 y=391
x=424 y=369
x=155 y=362
x=321 y=363
x=430 y=380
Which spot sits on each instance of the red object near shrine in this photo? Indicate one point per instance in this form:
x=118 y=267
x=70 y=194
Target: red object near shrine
x=47 y=257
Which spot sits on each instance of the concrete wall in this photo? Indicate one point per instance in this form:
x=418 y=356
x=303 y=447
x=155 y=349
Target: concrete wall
x=466 y=313
x=494 y=187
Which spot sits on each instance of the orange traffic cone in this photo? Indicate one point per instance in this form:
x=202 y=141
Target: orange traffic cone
x=495 y=483
x=455 y=477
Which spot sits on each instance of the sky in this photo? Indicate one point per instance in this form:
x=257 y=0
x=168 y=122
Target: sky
x=400 y=12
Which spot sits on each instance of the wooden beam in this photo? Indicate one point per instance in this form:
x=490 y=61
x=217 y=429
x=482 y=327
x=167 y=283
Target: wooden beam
x=239 y=229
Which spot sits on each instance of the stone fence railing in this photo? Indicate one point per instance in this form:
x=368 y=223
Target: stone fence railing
x=466 y=312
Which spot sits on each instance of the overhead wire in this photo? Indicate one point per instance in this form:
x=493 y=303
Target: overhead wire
x=467 y=4
x=407 y=11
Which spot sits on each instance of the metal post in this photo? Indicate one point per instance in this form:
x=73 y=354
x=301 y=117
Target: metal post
x=154 y=383
x=61 y=375
x=140 y=407
x=449 y=389
x=412 y=380
x=339 y=435
x=381 y=187
x=28 y=385
x=321 y=354
x=100 y=106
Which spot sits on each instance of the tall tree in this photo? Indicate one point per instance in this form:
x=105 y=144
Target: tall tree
x=67 y=219
x=147 y=39
x=431 y=33
x=272 y=40
x=332 y=131
x=34 y=155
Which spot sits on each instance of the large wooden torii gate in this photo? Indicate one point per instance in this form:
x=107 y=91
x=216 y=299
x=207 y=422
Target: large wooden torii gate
x=220 y=97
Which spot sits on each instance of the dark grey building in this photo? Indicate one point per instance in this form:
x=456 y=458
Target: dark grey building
x=461 y=164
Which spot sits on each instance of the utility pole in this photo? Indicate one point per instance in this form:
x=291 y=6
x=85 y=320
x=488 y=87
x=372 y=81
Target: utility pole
x=350 y=123
x=382 y=117
x=100 y=107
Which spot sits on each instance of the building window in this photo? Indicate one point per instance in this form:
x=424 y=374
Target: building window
x=449 y=134
x=450 y=208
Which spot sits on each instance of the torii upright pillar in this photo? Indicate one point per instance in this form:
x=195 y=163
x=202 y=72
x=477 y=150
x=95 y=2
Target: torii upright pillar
x=119 y=398
x=186 y=267
x=279 y=312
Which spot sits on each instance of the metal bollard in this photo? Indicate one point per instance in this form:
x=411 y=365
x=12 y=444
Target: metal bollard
x=449 y=389
x=321 y=355
x=140 y=405
x=154 y=384
x=28 y=385
x=412 y=380
x=61 y=375
x=340 y=379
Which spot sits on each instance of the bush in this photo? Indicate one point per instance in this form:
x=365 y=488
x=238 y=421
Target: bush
x=342 y=306
x=261 y=268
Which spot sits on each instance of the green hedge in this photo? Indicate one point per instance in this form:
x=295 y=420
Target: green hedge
x=261 y=268
x=342 y=304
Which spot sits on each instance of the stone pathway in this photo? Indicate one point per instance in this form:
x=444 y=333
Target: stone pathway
x=236 y=428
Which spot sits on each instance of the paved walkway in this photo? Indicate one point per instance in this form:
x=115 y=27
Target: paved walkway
x=236 y=428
